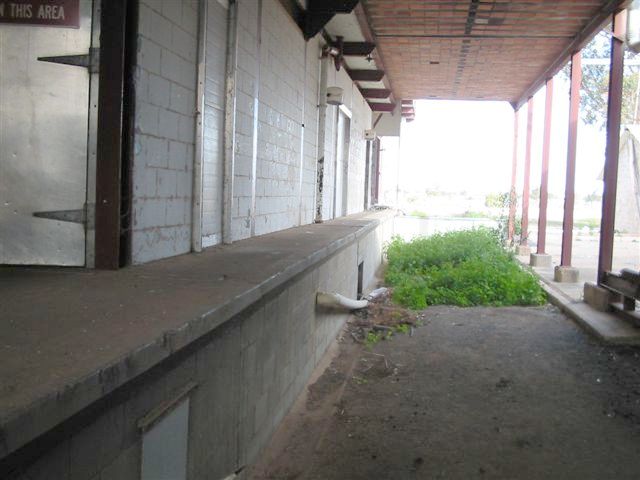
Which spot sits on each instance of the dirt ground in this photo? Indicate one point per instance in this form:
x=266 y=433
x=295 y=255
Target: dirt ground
x=490 y=393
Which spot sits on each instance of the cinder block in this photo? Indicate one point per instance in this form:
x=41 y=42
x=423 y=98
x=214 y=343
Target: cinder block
x=125 y=467
x=53 y=464
x=147 y=116
x=149 y=55
x=97 y=445
x=166 y=183
x=598 y=297
x=183 y=43
x=168 y=124
x=563 y=274
x=540 y=260
x=159 y=90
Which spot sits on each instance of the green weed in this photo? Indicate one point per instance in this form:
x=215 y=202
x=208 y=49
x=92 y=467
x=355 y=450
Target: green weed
x=463 y=268
x=372 y=338
x=403 y=328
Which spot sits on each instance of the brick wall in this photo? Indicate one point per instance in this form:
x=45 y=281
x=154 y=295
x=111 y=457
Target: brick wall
x=277 y=88
x=213 y=141
x=277 y=94
x=165 y=80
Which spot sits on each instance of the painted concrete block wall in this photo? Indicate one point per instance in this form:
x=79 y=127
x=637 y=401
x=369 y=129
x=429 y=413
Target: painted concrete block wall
x=213 y=138
x=282 y=98
x=310 y=145
x=247 y=83
x=165 y=81
x=248 y=372
x=276 y=126
x=360 y=121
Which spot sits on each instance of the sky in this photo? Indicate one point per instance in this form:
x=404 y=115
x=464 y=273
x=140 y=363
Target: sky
x=467 y=146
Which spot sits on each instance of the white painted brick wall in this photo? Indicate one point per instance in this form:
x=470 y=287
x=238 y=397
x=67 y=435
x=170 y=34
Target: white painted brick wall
x=360 y=122
x=164 y=129
x=277 y=92
x=214 y=102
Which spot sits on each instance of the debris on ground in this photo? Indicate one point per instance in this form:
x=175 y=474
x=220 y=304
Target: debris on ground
x=381 y=319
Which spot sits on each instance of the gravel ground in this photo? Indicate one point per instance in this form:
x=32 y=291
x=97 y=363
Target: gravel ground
x=490 y=393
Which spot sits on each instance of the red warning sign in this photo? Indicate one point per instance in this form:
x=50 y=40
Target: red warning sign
x=52 y=13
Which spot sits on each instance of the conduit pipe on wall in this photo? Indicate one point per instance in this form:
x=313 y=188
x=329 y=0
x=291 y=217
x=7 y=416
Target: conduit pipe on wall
x=198 y=160
x=230 y=121
x=336 y=300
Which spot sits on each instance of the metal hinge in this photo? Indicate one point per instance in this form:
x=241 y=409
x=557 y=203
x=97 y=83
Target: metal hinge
x=85 y=216
x=90 y=60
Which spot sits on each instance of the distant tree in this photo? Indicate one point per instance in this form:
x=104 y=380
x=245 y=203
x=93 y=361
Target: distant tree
x=593 y=197
x=535 y=194
x=595 y=84
x=496 y=200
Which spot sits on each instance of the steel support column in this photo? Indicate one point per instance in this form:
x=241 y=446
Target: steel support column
x=113 y=175
x=544 y=177
x=569 y=190
x=514 y=170
x=614 y=110
x=524 y=232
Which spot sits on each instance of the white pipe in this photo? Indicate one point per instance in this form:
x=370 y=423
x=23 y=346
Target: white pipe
x=336 y=300
x=198 y=160
x=230 y=121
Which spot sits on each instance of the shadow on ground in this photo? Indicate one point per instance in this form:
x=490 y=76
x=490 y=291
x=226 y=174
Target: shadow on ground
x=496 y=393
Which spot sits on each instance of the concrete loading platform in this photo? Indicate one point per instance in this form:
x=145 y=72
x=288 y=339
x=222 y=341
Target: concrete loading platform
x=86 y=354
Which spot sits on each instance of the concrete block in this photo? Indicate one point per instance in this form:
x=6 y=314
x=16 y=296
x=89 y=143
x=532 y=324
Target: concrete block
x=159 y=91
x=168 y=124
x=183 y=43
x=53 y=464
x=166 y=183
x=156 y=150
x=125 y=467
x=149 y=55
x=598 y=298
x=147 y=117
x=540 y=260
x=97 y=445
x=566 y=274
x=182 y=100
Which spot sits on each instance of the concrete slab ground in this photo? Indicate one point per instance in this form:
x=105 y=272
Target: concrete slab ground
x=499 y=393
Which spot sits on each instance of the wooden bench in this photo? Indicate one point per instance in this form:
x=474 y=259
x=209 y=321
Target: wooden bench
x=626 y=287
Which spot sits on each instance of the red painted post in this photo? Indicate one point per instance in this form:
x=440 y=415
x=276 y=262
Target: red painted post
x=614 y=109
x=569 y=189
x=524 y=235
x=512 y=193
x=544 y=178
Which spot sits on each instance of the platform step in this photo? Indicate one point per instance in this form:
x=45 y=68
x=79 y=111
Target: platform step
x=631 y=315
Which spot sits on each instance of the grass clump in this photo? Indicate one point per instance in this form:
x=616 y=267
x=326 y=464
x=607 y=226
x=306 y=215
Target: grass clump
x=463 y=268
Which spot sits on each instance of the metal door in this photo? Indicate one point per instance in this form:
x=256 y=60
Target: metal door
x=44 y=116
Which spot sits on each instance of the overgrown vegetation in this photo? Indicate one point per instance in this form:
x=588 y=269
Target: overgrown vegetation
x=462 y=268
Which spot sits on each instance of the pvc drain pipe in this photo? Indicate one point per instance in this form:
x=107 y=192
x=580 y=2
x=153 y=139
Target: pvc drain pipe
x=336 y=300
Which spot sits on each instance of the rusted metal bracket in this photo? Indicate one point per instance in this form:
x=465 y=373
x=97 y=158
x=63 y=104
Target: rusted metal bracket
x=84 y=216
x=90 y=61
